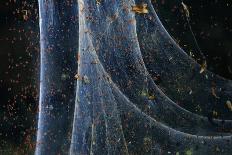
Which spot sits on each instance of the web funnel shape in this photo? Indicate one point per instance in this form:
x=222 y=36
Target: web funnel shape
x=115 y=111
x=119 y=109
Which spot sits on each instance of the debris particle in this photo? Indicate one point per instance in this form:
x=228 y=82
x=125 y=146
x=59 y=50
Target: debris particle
x=147 y=142
x=144 y=93
x=108 y=79
x=86 y=79
x=78 y=56
x=213 y=90
x=203 y=67
x=95 y=62
x=151 y=97
x=229 y=69
x=148 y=95
x=141 y=9
x=190 y=92
x=191 y=54
x=25 y=15
x=217 y=149
x=64 y=76
x=215 y=113
x=157 y=79
x=198 y=108
x=98 y=2
x=186 y=10
x=78 y=77
x=189 y=152
x=49 y=107
x=229 y=104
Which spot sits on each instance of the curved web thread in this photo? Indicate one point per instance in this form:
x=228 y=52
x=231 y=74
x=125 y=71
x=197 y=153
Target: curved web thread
x=121 y=115
x=186 y=13
x=58 y=38
x=121 y=58
x=180 y=75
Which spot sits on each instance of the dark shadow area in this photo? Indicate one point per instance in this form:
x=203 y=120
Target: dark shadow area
x=211 y=23
x=19 y=54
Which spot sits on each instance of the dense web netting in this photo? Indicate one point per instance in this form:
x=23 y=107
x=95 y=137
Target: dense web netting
x=119 y=108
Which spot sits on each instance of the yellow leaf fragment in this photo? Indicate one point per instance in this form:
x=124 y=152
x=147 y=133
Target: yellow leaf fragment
x=141 y=9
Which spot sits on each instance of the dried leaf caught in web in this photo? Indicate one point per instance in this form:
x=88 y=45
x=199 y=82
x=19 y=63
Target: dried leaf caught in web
x=141 y=9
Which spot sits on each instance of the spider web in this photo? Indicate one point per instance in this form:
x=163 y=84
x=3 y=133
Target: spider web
x=119 y=108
